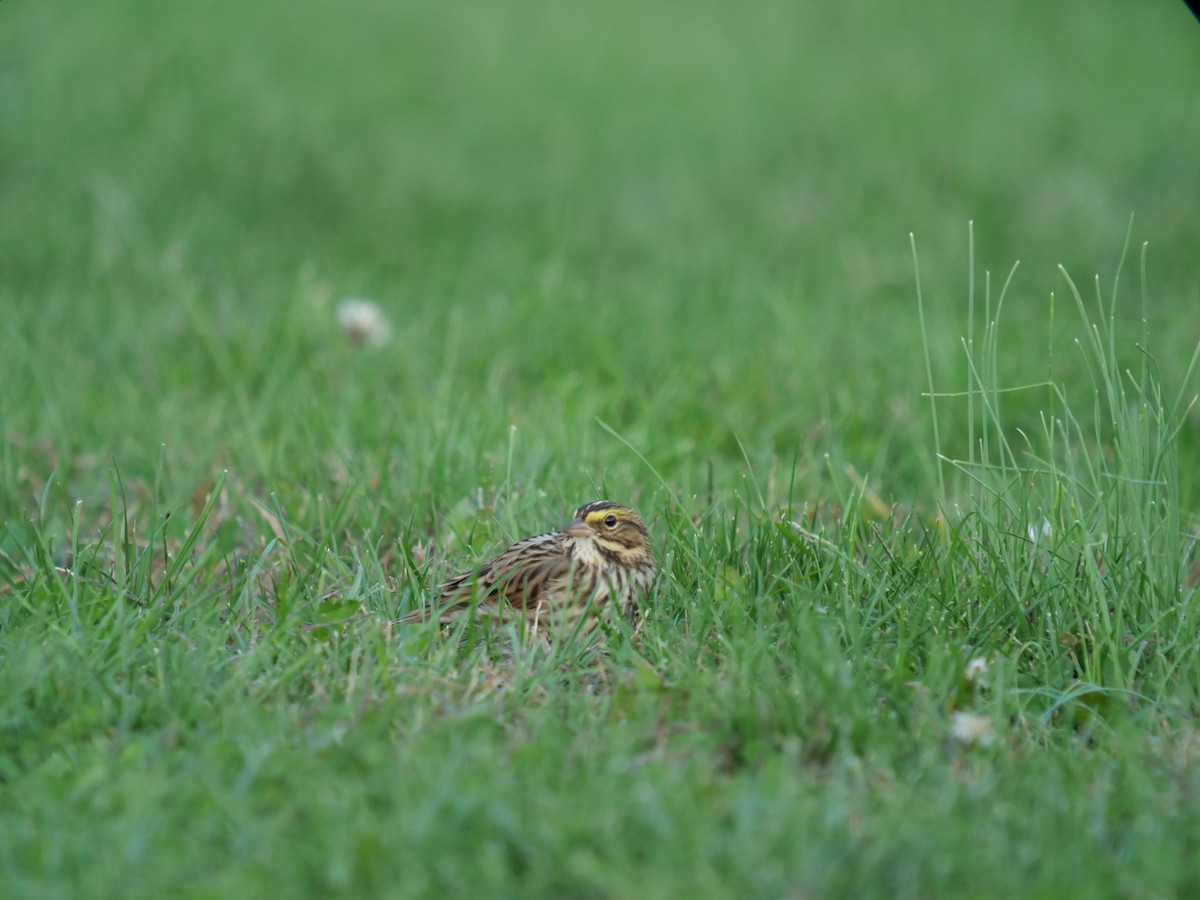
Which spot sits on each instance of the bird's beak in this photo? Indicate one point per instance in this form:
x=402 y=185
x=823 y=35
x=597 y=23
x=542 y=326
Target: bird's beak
x=577 y=528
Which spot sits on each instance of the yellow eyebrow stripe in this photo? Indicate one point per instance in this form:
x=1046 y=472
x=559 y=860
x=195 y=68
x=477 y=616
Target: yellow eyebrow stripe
x=601 y=514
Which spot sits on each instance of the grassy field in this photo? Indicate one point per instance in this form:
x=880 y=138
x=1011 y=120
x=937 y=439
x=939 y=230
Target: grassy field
x=900 y=646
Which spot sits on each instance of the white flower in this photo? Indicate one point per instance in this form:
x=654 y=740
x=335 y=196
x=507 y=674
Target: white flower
x=968 y=728
x=1037 y=532
x=362 y=322
x=976 y=668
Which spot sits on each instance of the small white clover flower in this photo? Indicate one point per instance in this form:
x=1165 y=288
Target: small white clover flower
x=976 y=668
x=968 y=728
x=362 y=322
x=1042 y=531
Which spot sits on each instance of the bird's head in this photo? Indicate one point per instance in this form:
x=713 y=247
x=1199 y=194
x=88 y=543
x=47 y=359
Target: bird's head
x=614 y=531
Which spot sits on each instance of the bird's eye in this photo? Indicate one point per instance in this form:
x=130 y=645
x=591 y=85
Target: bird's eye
x=610 y=521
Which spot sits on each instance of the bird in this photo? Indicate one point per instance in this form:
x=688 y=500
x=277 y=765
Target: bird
x=569 y=579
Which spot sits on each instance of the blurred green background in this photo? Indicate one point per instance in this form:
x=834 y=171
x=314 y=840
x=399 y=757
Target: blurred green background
x=690 y=218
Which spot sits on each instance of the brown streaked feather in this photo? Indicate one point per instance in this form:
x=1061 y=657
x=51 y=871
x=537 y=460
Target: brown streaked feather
x=515 y=576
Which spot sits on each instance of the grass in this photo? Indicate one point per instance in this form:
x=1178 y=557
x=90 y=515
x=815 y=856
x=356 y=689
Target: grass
x=659 y=253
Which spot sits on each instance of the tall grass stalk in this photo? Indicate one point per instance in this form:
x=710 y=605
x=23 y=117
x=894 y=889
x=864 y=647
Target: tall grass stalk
x=1073 y=543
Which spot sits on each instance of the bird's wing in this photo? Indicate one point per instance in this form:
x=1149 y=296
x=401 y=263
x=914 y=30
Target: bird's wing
x=517 y=576
x=528 y=584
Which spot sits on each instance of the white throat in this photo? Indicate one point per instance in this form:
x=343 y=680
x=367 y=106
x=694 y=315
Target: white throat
x=586 y=553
